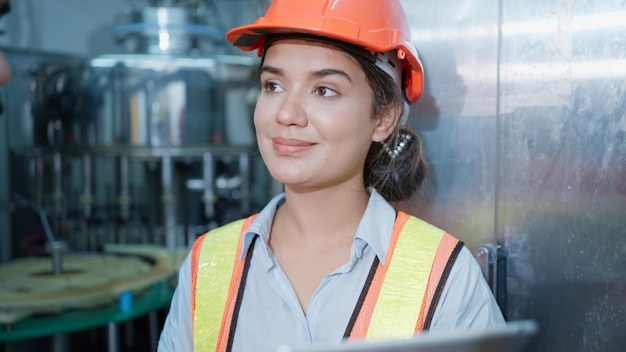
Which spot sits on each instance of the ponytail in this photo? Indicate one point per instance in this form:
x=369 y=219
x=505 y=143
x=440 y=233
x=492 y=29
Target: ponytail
x=396 y=176
x=395 y=171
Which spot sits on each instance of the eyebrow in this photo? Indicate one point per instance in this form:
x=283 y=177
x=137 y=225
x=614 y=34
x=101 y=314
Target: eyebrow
x=316 y=74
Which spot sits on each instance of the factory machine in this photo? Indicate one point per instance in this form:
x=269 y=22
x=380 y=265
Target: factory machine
x=133 y=153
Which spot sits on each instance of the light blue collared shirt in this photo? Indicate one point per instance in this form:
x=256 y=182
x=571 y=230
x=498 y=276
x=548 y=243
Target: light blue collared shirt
x=271 y=315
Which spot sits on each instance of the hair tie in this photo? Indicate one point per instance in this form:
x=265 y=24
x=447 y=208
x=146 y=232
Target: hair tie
x=403 y=141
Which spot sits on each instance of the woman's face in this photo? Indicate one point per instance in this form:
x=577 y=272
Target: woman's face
x=313 y=119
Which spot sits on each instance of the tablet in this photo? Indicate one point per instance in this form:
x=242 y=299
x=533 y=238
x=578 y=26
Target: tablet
x=512 y=337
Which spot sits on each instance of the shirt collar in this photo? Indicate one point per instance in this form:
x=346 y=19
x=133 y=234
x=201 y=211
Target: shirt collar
x=375 y=227
x=262 y=225
x=377 y=224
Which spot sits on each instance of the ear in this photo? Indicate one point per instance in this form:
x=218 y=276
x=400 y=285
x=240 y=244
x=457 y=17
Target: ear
x=387 y=122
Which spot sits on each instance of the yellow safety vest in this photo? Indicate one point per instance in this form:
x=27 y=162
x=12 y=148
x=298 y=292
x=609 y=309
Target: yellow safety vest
x=397 y=301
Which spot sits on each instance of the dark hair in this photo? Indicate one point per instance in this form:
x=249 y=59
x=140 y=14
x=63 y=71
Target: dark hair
x=398 y=178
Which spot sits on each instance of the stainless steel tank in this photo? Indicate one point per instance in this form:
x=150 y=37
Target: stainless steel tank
x=140 y=100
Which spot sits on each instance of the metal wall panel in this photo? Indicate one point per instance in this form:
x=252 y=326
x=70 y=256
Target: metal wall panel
x=5 y=219
x=524 y=125
x=562 y=197
x=457 y=44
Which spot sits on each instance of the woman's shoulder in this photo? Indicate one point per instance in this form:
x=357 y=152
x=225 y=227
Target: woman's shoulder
x=467 y=295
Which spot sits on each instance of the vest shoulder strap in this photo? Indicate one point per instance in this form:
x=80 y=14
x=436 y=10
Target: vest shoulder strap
x=448 y=250
x=402 y=291
x=216 y=269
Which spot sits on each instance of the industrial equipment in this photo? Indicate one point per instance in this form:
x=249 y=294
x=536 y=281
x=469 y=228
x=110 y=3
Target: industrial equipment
x=115 y=155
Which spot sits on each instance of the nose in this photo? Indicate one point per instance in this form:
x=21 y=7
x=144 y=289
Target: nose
x=291 y=111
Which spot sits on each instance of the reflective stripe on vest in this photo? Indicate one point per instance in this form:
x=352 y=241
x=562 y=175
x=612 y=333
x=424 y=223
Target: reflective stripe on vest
x=397 y=305
x=215 y=277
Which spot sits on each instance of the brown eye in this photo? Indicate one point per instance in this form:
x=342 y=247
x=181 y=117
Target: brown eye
x=325 y=92
x=271 y=87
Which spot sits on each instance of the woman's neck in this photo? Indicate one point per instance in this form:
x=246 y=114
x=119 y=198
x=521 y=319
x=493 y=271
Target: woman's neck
x=316 y=215
x=312 y=234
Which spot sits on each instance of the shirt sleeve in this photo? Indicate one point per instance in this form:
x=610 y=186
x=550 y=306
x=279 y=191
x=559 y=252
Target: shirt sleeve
x=466 y=301
x=177 y=334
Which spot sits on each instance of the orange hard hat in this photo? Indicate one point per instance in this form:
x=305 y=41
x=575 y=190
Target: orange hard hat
x=378 y=26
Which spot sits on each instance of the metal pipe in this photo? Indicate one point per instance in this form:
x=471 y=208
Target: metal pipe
x=154 y=330
x=87 y=197
x=57 y=193
x=112 y=337
x=60 y=343
x=54 y=246
x=168 y=201
x=124 y=198
x=39 y=167
x=244 y=172
x=56 y=249
x=208 y=176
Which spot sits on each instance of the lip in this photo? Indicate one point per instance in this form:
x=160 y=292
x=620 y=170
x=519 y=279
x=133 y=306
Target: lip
x=289 y=146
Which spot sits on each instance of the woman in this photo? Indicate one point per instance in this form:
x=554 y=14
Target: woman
x=330 y=259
